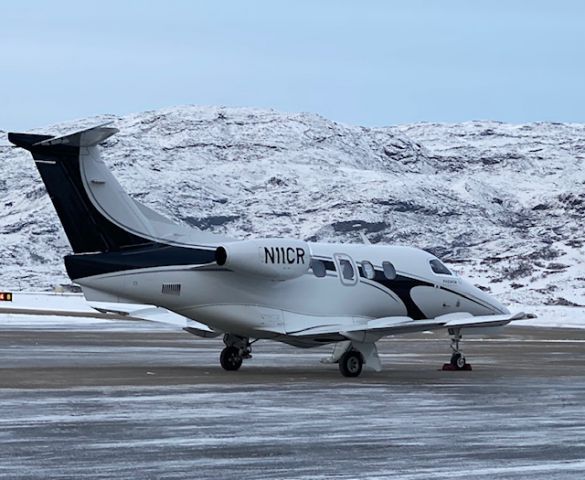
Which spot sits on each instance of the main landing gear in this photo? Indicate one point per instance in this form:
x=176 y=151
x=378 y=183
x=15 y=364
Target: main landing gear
x=236 y=350
x=230 y=358
x=458 y=361
x=351 y=363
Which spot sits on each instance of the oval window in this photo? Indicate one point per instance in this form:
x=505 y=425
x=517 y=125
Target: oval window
x=318 y=268
x=368 y=270
x=389 y=270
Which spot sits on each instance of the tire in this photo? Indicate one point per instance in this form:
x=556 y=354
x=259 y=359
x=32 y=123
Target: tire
x=230 y=359
x=351 y=363
x=458 y=361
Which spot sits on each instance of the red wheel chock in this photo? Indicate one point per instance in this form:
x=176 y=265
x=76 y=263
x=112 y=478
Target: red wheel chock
x=447 y=367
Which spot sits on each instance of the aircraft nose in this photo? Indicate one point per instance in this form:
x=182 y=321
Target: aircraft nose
x=486 y=299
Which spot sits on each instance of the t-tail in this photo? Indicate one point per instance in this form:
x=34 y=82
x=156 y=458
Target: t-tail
x=65 y=165
x=95 y=211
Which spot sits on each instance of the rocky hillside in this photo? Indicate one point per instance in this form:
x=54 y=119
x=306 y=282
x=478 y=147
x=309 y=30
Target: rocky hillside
x=502 y=204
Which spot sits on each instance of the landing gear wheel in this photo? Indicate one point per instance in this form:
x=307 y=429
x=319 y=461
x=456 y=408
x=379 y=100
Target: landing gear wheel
x=230 y=358
x=351 y=363
x=458 y=361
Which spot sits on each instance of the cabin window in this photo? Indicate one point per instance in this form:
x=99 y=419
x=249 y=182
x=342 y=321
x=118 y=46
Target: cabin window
x=368 y=270
x=439 y=268
x=389 y=270
x=318 y=268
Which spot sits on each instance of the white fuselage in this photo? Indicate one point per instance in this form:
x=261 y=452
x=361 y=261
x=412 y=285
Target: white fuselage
x=256 y=307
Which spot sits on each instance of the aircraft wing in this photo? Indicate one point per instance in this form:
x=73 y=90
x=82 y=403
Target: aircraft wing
x=110 y=311
x=156 y=314
x=373 y=330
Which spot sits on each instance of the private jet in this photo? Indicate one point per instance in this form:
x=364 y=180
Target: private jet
x=283 y=289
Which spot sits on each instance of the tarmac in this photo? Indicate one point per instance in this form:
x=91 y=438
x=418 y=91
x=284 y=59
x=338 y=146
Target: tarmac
x=125 y=400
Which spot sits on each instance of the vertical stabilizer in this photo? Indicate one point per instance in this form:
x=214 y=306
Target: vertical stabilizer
x=60 y=161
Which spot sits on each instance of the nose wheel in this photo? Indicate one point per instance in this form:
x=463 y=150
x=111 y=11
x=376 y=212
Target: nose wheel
x=458 y=361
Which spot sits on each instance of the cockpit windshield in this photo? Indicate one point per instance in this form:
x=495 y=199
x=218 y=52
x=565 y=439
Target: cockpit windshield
x=439 y=268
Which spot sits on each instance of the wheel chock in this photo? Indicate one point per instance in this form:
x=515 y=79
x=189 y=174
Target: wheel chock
x=447 y=367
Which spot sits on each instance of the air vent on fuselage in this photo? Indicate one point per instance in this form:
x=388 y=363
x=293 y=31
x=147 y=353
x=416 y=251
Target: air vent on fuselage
x=171 y=289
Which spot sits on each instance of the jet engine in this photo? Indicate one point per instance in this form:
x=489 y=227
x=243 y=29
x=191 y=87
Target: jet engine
x=269 y=258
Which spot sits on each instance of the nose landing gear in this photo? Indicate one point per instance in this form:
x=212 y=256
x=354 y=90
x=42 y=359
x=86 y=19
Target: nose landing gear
x=458 y=361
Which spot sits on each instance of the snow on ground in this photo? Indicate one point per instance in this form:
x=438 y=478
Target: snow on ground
x=553 y=316
x=49 y=301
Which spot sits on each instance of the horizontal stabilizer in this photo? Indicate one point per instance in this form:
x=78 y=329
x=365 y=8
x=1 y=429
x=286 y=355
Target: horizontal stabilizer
x=83 y=138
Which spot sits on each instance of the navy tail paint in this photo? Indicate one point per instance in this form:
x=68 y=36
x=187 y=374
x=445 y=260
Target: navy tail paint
x=86 y=228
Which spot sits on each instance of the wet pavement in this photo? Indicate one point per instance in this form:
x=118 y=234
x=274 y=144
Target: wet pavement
x=121 y=400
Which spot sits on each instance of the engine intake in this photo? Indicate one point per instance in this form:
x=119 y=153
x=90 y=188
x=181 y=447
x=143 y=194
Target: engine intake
x=270 y=258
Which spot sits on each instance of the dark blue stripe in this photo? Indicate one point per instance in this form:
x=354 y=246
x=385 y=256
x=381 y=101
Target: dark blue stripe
x=153 y=255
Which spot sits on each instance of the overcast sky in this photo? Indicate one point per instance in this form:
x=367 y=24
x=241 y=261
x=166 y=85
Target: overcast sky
x=364 y=62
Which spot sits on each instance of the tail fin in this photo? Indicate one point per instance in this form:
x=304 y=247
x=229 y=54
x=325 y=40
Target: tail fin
x=72 y=171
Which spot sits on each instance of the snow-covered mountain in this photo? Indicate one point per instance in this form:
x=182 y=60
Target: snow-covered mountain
x=502 y=204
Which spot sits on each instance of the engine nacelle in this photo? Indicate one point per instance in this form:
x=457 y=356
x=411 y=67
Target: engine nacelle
x=269 y=258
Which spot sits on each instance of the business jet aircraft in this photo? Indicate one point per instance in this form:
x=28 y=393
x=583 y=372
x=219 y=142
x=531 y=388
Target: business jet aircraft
x=283 y=289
